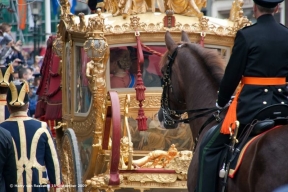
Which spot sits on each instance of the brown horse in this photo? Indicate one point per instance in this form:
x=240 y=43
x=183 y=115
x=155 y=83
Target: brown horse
x=195 y=75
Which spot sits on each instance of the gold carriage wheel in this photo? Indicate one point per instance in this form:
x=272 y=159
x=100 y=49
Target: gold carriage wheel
x=71 y=162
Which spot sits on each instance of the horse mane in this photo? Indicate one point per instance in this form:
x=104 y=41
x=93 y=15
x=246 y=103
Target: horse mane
x=211 y=59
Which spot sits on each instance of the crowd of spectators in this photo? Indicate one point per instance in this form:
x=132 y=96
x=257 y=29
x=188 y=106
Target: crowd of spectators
x=25 y=66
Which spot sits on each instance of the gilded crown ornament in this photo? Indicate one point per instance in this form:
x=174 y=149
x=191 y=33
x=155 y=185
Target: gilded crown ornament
x=17 y=95
x=5 y=74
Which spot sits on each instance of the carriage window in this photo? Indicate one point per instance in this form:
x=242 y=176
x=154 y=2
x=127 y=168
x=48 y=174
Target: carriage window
x=157 y=138
x=123 y=67
x=68 y=76
x=83 y=94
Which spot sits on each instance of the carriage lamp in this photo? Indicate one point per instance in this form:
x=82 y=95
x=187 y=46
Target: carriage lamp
x=58 y=46
x=96 y=46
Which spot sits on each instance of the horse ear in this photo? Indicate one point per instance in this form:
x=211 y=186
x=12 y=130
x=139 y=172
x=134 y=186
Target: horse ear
x=184 y=37
x=170 y=43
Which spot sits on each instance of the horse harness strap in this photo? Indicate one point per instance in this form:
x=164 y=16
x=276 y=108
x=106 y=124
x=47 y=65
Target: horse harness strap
x=214 y=116
x=231 y=117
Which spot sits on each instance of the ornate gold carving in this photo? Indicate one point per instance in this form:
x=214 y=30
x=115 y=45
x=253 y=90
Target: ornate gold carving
x=155 y=177
x=184 y=7
x=150 y=101
x=72 y=26
x=235 y=10
x=241 y=22
x=68 y=171
x=98 y=181
x=125 y=151
x=237 y=15
x=134 y=22
x=122 y=7
x=157 y=158
x=86 y=126
x=64 y=9
x=181 y=164
x=95 y=73
x=139 y=6
x=126 y=145
x=187 y=7
x=203 y=25
x=96 y=23
x=82 y=24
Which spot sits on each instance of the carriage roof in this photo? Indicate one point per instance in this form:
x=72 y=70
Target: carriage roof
x=153 y=22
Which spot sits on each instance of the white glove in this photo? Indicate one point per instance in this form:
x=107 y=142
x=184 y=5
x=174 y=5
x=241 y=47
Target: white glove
x=227 y=105
x=230 y=101
x=218 y=106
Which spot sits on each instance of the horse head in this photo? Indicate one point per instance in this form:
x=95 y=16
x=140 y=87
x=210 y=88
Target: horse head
x=170 y=100
x=191 y=77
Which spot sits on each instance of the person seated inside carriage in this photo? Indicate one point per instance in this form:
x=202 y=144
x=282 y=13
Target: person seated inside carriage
x=120 y=63
x=150 y=79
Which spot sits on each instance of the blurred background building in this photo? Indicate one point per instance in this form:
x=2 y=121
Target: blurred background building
x=34 y=20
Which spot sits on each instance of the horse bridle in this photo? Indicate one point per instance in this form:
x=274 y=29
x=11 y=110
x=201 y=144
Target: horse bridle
x=167 y=111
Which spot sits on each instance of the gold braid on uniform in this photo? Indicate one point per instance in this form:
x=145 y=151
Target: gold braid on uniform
x=4 y=79
x=18 y=99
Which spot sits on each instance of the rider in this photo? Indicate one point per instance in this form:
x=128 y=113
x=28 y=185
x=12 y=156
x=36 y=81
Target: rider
x=260 y=61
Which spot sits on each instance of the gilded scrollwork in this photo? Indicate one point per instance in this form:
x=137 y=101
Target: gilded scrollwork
x=203 y=25
x=95 y=73
x=153 y=177
x=150 y=101
x=86 y=127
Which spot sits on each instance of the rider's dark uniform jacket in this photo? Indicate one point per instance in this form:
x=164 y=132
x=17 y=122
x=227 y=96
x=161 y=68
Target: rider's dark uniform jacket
x=36 y=154
x=250 y=58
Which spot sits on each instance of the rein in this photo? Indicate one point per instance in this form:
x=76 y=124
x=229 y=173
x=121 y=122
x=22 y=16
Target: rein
x=167 y=111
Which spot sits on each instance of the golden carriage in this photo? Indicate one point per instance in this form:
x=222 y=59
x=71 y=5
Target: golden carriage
x=102 y=139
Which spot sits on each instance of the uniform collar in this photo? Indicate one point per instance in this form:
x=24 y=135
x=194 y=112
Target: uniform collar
x=266 y=18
